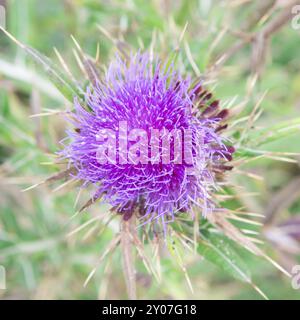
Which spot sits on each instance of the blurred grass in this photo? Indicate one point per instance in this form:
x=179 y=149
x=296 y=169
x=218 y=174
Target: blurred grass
x=41 y=262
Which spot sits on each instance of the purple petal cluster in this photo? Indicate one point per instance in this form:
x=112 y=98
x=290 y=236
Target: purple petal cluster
x=148 y=94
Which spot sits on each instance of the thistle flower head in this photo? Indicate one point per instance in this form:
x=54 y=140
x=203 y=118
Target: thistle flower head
x=160 y=134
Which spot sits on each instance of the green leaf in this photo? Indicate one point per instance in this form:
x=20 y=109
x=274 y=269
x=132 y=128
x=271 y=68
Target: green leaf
x=65 y=85
x=275 y=132
x=219 y=251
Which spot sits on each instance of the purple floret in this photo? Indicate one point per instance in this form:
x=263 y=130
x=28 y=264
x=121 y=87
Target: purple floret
x=149 y=95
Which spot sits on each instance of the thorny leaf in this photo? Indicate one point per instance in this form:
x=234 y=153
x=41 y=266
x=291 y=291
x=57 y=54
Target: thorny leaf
x=90 y=67
x=59 y=79
x=217 y=250
x=61 y=175
x=90 y=202
x=258 y=137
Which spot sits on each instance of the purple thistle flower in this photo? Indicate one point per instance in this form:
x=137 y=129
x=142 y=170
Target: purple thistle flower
x=150 y=95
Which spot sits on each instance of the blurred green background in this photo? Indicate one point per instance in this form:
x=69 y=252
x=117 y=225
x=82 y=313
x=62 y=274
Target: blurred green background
x=40 y=260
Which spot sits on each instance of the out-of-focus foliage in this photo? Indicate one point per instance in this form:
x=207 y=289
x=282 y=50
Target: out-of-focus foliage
x=42 y=257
